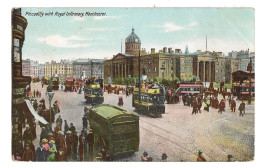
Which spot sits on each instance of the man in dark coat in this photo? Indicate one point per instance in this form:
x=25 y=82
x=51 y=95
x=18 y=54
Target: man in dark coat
x=66 y=127
x=27 y=135
x=233 y=105
x=44 y=134
x=41 y=153
x=59 y=121
x=35 y=105
x=60 y=142
x=85 y=121
x=90 y=140
x=72 y=128
x=194 y=110
x=241 y=109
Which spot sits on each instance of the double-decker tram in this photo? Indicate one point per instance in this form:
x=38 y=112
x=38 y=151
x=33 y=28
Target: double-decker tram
x=150 y=101
x=189 y=88
x=93 y=91
x=242 y=91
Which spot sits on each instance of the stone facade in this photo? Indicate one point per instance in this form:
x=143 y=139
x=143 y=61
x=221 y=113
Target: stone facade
x=26 y=68
x=83 y=68
x=62 y=69
x=34 y=69
x=41 y=70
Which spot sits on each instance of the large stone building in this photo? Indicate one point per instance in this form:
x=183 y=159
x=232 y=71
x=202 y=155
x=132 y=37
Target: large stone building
x=41 y=70
x=169 y=64
x=34 y=69
x=26 y=67
x=83 y=68
x=62 y=69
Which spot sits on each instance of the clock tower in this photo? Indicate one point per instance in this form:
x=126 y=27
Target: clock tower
x=132 y=44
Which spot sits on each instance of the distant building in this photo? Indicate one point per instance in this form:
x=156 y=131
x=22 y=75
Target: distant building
x=26 y=68
x=34 y=69
x=83 y=68
x=62 y=69
x=41 y=70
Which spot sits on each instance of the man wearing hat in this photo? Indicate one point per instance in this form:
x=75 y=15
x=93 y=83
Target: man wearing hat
x=52 y=144
x=60 y=142
x=43 y=104
x=35 y=104
x=44 y=134
x=85 y=121
x=69 y=143
x=72 y=128
x=51 y=157
x=200 y=157
x=59 y=121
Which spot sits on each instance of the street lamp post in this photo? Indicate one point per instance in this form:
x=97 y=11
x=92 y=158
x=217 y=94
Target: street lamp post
x=249 y=68
x=50 y=95
x=139 y=75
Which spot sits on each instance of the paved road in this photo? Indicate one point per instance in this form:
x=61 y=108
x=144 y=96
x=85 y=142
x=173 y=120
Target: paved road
x=178 y=133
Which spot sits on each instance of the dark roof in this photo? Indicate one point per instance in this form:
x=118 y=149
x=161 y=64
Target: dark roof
x=133 y=38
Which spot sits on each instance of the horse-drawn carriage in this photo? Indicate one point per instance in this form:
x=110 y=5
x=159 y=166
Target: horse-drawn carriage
x=36 y=79
x=55 y=83
x=69 y=84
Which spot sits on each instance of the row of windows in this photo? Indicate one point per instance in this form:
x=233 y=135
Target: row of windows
x=185 y=69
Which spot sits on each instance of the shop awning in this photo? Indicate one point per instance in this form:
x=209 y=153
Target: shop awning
x=36 y=116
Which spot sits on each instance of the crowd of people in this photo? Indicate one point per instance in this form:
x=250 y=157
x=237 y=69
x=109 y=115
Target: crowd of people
x=58 y=144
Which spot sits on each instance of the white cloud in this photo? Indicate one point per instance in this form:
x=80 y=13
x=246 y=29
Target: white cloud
x=105 y=17
x=65 y=42
x=170 y=27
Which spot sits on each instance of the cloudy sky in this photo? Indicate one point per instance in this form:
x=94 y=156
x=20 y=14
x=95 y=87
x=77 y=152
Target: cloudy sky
x=69 y=37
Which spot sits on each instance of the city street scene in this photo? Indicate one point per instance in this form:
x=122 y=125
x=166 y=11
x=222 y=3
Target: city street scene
x=133 y=84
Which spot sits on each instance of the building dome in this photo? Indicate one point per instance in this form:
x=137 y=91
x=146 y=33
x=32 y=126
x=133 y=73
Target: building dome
x=133 y=38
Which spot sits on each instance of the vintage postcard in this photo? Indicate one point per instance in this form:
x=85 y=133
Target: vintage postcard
x=133 y=84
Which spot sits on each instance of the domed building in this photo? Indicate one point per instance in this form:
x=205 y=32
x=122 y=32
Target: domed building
x=132 y=44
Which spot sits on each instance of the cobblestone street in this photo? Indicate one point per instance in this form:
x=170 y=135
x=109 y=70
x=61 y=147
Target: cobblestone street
x=178 y=133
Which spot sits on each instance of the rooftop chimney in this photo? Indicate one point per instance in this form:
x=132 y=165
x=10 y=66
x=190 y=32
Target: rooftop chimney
x=170 y=50
x=152 y=50
x=164 y=49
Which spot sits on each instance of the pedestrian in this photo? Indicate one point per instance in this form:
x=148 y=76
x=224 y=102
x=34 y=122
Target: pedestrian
x=41 y=153
x=44 y=134
x=72 y=128
x=52 y=144
x=194 y=109
x=200 y=157
x=75 y=141
x=85 y=121
x=59 y=121
x=27 y=154
x=50 y=136
x=27 y=136
x=69 y=143
x=85 y=109
x=145 y=157
x=66 y=127
x=164 y=157
x=60 y=142
x=233 y=105
x=221 y=106
x=241 y=109
x=51 y=157
x=81 y=146
x=35 y=105
x=90 y=139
